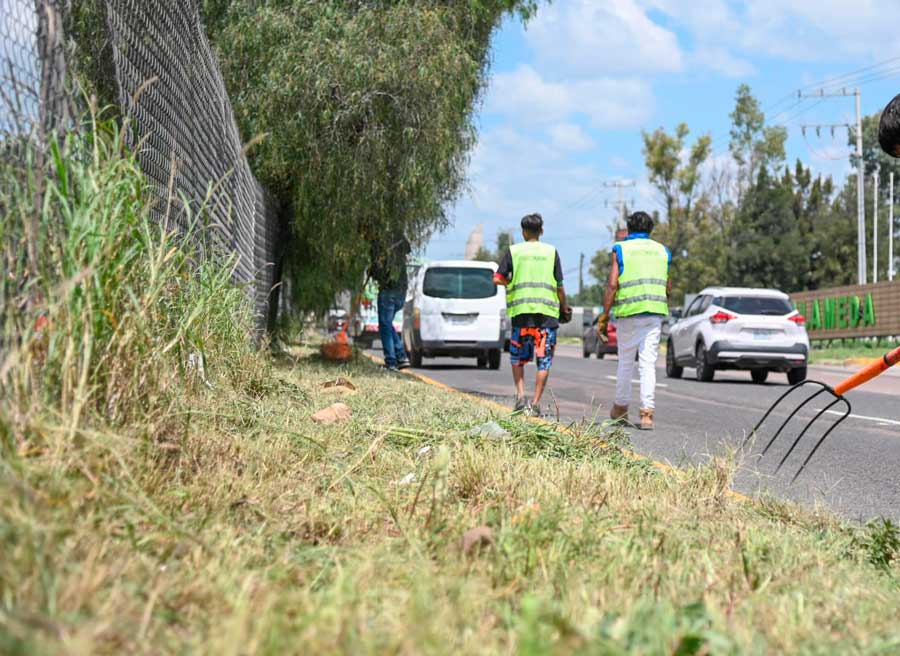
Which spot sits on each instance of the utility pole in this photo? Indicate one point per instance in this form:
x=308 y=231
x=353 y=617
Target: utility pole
x=860 y=169
x=891 y=230
x=875 y=230
x=581 y=275
x=620 y=186
x=860 y=202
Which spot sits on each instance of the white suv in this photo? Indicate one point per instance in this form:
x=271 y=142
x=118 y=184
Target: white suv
x=739 y=328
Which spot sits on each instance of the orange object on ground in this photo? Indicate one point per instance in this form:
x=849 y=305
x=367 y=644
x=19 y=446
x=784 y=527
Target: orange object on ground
x=338 y=350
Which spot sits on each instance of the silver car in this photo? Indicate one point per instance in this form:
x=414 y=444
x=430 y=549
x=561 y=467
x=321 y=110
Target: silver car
x=757 y=330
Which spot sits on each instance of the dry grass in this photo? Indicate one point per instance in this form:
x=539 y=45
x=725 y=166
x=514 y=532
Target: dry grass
x=148 y=508
x=239 y=526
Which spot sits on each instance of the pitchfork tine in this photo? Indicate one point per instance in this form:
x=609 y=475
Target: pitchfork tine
x=822 y=439
x=791 y=416
x=768 y=412
x=800 y=436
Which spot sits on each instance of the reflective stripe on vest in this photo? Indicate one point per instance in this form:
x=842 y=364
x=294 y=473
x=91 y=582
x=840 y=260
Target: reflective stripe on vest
x=642 y=283
x=532 y=289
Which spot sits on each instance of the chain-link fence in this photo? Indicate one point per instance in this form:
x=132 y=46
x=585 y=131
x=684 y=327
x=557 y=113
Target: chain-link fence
x=33 y=96
x=179 y=118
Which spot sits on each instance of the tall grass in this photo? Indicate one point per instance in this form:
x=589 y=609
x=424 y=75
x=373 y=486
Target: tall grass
x=118 y=310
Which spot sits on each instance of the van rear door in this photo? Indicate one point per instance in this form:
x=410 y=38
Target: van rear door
x=461 y=304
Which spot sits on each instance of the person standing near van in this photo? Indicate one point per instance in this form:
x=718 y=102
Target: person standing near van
x=535 y=299
x=388 y=270
x=638 y=290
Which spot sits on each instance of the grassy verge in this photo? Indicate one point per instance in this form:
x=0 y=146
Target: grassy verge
x=240 y=526
x=152 y=506
x=826 y=352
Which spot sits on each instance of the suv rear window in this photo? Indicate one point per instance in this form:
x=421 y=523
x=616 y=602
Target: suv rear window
x=459 y=282
x=760 y=305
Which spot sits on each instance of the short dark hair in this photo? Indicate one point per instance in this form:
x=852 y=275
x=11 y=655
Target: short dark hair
x=640 y=222
x=533 y=223
x=889 y=128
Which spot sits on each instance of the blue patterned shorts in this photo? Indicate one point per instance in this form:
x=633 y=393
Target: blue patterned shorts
x=527 y=344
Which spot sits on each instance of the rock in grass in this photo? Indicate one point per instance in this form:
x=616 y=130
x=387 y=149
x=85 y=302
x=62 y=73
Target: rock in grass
x=475 y=538
x=332 y=414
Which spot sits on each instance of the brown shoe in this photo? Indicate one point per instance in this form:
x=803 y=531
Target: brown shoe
x=647 y=419
x=619 y=413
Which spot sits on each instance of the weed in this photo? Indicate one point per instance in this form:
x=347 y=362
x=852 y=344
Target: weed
x=879 y=540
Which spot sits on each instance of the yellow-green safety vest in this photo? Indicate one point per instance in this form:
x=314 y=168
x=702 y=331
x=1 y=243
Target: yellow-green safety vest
x=642 y=283
x=533 y=286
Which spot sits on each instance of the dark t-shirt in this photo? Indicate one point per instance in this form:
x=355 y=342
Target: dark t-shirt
x=388 y=265
x=532 y=320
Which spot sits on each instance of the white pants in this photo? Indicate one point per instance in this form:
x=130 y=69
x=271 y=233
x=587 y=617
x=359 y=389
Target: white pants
x=638 y=334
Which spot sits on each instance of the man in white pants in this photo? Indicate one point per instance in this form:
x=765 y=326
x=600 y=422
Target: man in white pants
x=638 y=290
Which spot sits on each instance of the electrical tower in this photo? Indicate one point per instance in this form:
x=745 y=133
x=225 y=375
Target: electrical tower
x=860 y=170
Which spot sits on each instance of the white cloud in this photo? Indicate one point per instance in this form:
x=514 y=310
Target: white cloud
x=800 y=30
x=570 y=137
x=606 y=102
x=718 y=59
x=592 y=39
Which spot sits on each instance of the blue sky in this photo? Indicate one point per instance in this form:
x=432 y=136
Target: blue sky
x=571 y=92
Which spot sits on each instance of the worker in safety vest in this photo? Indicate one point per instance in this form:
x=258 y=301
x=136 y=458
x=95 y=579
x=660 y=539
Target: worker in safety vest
x=638 y=293
x=535 y=301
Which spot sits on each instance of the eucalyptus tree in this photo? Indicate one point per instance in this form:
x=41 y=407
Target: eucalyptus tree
x=364 y=115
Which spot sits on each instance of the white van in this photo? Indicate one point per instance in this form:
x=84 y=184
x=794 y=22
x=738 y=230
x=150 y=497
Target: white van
x=453 y=308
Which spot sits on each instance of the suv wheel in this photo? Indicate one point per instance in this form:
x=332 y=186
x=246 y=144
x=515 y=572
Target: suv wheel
x=797 y=376
x=759 y=375
x=672 y=369
x=705 y=371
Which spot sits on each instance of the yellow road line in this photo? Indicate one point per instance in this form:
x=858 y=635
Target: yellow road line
x=497 y=406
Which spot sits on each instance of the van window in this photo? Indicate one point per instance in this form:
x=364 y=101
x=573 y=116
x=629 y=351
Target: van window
x=760 y=305
x=459 y=282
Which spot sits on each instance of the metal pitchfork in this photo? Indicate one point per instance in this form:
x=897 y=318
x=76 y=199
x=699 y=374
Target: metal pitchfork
x=835 y=394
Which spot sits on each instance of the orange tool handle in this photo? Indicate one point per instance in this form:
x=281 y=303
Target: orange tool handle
x=870 y=372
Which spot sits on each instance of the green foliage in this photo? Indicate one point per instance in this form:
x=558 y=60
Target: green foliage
x=880 y=542
x=753 y=145
x=367 y=114
x=676 y=178
x=754 y=222
x=505 y=239
x=115 y=310
x=90 y=45
x=766 y=238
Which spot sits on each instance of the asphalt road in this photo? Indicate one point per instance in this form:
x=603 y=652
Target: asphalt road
x=856 y=472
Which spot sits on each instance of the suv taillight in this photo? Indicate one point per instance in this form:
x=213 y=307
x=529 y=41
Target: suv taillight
x=721 y=317
x=798 y=319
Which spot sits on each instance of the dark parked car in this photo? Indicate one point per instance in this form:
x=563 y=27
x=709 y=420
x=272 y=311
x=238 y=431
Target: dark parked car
x=591 y=344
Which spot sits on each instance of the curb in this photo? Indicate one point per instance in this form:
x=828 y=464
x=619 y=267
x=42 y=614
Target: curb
x=661 y=466
x=860 y=362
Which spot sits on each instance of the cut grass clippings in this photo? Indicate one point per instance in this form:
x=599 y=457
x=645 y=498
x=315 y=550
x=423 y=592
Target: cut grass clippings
x=242 y=527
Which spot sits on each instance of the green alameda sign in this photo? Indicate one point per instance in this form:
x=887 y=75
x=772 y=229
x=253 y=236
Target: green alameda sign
x=838 y=313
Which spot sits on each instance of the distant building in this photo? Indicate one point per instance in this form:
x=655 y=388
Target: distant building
x=475 y=242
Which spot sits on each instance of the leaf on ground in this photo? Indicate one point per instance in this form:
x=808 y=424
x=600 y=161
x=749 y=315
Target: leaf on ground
x=339 y=386
x=475 y=538
x=332 y=414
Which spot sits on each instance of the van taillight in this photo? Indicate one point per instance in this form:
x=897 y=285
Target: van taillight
x=721 y=317
x=417 y=319
x=798 y=319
